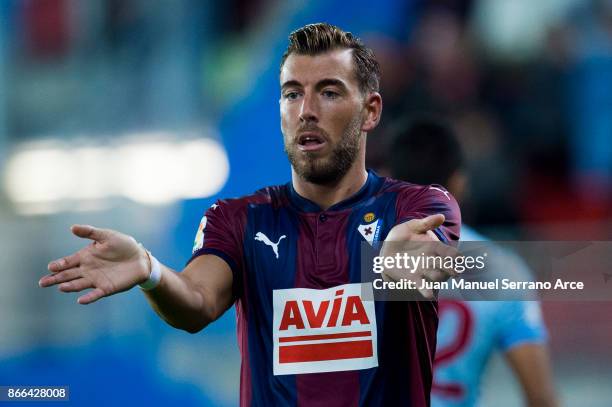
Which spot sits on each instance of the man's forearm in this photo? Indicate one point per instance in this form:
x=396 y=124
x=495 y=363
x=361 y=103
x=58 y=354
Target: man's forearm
x=178 y=302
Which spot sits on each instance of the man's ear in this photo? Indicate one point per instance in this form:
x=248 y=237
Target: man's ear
x=372 y=111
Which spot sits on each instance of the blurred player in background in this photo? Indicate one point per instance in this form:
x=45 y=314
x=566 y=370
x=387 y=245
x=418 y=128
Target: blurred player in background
x=289 y=255
x=427 y=152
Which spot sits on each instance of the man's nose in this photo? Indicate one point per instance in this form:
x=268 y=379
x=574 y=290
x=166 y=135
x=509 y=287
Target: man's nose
x=309 y=110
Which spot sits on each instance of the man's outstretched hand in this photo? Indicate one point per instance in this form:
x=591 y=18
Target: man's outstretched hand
x=417 y=229
x=416 y=238
x=112 y=263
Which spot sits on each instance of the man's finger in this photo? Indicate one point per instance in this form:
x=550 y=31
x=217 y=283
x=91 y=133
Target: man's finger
x=445 y=251
x=79 y=284
x=92 y=296
x=62 y=277
x=90 y=232
x=438 y=275
x=427 y=293
x=429 y=223
x=64 y=263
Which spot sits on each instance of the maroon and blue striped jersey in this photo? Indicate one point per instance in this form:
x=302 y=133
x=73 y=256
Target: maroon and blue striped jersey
x=305 y=335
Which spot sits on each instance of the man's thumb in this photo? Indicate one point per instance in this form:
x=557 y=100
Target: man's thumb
x=89 y=232
x=429 y=223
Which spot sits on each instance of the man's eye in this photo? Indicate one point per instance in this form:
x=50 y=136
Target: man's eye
x=291 y=95
x=330 y=94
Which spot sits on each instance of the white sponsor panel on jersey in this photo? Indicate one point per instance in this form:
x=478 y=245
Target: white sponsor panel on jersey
x=323 y=330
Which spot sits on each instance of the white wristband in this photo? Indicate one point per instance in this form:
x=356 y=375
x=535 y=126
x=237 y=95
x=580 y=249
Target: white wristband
x=155 y=276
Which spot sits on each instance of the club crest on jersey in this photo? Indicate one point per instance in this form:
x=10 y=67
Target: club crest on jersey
x=199 y=238
x=370 y=230
x=323 y=330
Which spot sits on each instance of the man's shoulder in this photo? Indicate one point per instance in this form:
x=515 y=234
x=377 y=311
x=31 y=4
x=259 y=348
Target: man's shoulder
x=412 y=190
x=415 y=200
x=275 y=196
x=392 y=185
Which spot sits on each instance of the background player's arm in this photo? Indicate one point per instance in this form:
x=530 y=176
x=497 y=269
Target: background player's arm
x=531 y=365
x=115 y=262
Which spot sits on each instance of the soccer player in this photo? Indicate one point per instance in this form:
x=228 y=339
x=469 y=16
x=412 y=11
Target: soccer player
x=427 y=151
x=288 y=256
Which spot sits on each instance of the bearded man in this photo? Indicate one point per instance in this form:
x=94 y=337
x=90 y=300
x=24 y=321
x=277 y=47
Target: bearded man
x=288 y=256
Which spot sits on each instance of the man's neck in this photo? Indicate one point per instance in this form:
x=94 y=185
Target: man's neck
x=328 y=195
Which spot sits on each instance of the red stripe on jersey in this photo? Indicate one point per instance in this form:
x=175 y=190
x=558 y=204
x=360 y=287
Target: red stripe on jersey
x=325 y=351
x=327 y=336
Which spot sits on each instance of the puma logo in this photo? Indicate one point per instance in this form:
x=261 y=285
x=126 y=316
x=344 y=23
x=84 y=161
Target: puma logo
x=263 y=238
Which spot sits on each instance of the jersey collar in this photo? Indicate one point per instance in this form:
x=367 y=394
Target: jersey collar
x=371 y=186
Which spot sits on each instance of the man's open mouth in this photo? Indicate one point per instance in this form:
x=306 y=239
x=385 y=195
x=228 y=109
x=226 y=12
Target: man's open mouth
x=310 y=142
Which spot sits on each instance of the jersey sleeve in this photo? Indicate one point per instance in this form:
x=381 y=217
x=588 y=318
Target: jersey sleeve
x=522 y=323
x=220 y=233
x=425 y=200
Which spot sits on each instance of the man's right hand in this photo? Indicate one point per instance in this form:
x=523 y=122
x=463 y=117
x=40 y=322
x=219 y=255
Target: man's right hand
x=416 y=238
x=112 y=263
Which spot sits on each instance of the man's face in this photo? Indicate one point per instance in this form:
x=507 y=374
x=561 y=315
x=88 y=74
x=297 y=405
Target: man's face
x=321 y=110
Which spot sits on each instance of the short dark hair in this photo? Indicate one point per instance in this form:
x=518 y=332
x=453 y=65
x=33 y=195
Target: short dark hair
x=425 y=151
x=315 y=39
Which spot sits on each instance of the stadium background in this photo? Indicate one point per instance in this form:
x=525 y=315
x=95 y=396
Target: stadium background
x=135 y=114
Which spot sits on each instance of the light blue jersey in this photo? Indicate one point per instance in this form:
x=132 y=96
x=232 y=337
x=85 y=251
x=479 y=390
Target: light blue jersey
x=468 y=334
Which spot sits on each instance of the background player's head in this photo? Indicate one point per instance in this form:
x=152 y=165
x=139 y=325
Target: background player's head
x=427 y=151
x=329 y=101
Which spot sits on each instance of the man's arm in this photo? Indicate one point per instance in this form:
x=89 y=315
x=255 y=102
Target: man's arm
x=115 y=262
x=196 y=297
x=530 y=363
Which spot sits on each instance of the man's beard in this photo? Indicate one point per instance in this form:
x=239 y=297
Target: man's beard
x=332 y=168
